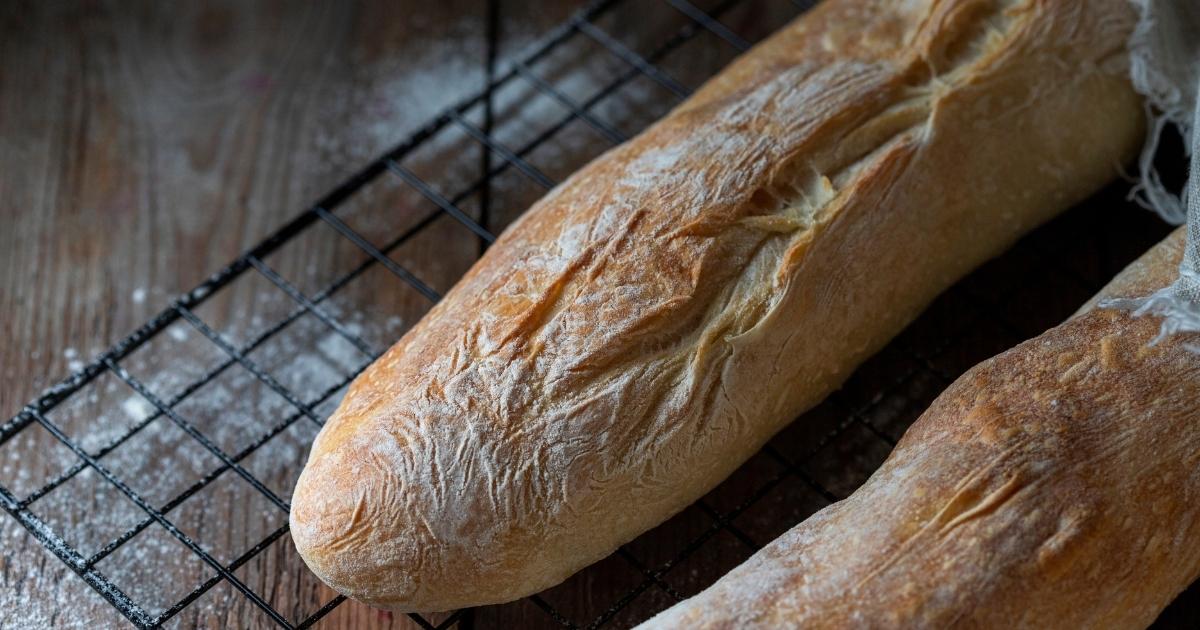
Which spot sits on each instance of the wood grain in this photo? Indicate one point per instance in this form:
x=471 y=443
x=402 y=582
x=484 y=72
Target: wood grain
x=144 y=145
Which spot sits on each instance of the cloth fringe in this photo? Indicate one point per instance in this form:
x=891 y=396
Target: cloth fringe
x=1165 y=68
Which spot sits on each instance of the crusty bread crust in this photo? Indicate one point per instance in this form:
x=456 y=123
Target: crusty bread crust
x=1056 y=485
x=651 y=322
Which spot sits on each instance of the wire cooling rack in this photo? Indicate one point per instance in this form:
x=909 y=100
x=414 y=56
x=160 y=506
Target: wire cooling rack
x=161 y=472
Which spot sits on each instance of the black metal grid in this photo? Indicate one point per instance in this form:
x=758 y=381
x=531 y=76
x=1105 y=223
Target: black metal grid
x=817 y=461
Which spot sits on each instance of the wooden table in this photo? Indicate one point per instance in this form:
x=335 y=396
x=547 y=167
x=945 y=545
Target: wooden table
x=144 y=146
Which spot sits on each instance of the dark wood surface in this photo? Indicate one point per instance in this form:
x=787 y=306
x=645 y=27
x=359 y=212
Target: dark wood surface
x=143 y=146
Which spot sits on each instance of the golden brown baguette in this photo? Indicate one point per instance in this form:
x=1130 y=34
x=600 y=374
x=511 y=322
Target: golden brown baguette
x=1056 y=485
x=651 y=322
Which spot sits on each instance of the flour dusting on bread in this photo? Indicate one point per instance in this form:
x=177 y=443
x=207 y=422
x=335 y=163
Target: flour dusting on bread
x=651 y=322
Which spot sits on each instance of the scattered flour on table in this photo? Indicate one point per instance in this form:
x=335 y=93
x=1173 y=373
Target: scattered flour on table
x=161 y=460
x=88 y=512
x=72 y=357
x=137 y=407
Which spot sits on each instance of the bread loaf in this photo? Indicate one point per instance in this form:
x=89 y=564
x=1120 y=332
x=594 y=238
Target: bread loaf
x=652 y=321
x=1056 y=485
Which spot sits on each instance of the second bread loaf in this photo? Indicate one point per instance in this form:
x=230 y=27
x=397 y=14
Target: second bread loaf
x=1056 y=485
x=651 y=322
